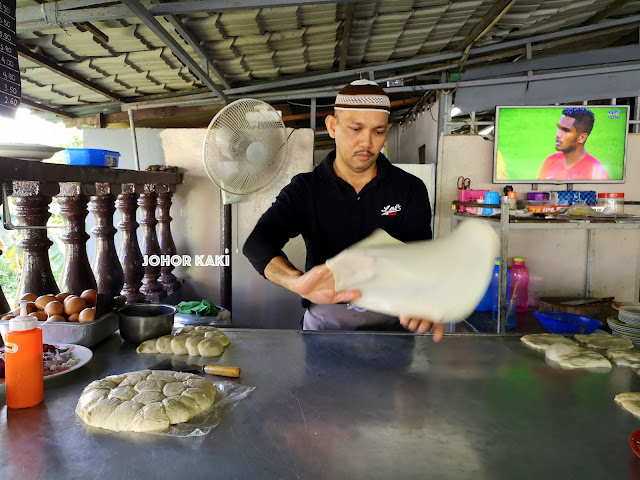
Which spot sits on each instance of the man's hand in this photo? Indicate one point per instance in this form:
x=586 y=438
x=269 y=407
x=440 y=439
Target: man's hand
x=318 y=285
x=420 y=326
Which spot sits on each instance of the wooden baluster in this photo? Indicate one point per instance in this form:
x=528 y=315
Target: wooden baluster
x=151 y=287
x=32 y=209
x=76 y=274
x=4 y=305
x=130 y=255
x=106 y=265
x=165 y=239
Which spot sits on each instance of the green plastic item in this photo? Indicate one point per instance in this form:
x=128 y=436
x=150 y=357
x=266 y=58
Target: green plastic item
x=201 y=308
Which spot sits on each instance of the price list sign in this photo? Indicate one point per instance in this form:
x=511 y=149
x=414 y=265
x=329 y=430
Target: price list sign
x=9 y=71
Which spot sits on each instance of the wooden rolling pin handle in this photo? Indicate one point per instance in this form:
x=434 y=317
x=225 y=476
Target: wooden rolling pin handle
x=221 y=370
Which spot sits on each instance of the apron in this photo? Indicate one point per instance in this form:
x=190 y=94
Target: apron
x=342 y=317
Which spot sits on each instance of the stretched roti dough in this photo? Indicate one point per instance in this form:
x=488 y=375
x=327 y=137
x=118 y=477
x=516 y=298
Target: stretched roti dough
x=605 y=342
x=624 y=358
x=542 y=341
x=574 y=357
x=160 y=399
x=630 y=401
x=442 y=280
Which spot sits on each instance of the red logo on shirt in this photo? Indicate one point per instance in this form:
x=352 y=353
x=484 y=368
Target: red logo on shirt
x=391 y=211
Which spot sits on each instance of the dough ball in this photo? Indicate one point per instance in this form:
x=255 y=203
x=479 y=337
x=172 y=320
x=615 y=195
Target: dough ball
x=179 y=344
x=174 y=388
x=145 y=398
x=209 y=348
x=624 y=358
x=163 y=344
x=542 y=341
x=148 y=347
x=630 y=401
x=219 y=337
x=192 y=345
x=177 y=411
x=150 y=385
x=604 y=341
x=123 y=393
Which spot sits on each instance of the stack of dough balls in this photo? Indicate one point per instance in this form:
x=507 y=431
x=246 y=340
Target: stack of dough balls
x=144 y=401
x=566 y=353
x=199 y=341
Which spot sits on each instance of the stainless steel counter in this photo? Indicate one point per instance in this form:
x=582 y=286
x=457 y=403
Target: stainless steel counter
x=347 y=405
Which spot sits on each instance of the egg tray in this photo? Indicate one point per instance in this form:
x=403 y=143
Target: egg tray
x=85 y=334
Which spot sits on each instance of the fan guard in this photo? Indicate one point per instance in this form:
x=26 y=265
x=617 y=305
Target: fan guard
x=245 y=146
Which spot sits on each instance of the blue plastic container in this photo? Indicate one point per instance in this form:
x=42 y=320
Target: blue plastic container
x=90 y=157
x=490 y=299
x=560 y=322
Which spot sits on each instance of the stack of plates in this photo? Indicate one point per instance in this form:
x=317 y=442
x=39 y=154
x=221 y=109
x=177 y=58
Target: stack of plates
x=627 y=324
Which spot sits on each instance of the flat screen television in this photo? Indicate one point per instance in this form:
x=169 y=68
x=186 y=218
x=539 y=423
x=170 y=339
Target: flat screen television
x=560 y=144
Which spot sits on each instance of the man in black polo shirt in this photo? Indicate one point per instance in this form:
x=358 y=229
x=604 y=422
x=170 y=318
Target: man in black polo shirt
x=351 y=193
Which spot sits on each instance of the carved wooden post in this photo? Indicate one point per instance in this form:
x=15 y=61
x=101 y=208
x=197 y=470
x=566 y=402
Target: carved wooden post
x=76 y=274
x=151 y=288
x=32 y=209
x=106 y=266
x=130 y=255
x=4 y=306
x=165 y=239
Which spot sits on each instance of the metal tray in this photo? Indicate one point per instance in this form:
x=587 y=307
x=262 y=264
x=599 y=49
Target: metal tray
x=85 y=334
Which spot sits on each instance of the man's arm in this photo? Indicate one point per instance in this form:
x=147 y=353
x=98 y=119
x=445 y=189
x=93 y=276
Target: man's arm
x=317 y=285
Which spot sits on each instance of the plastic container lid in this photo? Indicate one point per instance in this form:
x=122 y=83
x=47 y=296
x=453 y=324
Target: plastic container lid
x=24 y=321
x=611 y=195
x=518 y=259
x=512 y=194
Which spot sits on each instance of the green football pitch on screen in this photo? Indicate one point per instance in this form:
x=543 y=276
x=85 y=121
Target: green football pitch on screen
x=525 y=137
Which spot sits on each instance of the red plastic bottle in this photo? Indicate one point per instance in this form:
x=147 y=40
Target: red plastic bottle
x=520 y=278
x=24 y=377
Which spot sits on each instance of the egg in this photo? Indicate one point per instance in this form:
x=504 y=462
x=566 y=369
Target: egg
x=54 y=308
x=89 y=297
x=57 y=318
x=31 y=307
x=87 y=315
x=75 y=305
x=69 y=297
x=7 y=317
x=41 y=316
x=44 y=299
x=75 y=317
x=62 y=296
x=29 y=297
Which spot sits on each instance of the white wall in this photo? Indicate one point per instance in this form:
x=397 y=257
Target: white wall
x=556 y=258
x=196 y=231
x=404 y=141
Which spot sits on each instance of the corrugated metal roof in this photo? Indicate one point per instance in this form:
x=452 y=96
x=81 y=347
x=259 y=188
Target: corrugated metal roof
x=272 y=43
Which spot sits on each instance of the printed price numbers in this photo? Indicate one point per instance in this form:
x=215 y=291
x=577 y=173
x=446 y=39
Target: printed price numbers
x=10 y=101
x=11 y=77
x=5 y=9
x=8 y=62
x=7 y=37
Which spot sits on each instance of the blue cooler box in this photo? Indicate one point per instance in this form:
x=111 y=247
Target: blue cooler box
x=90 y=157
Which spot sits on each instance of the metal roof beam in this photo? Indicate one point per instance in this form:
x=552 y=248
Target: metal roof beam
x=50 y=64
x=194 y=43
x=630 y=22
x=488 y=21
x=27 y=102
x=349 y=15
x=148 y=19
x=607 y=11
x=47 y=15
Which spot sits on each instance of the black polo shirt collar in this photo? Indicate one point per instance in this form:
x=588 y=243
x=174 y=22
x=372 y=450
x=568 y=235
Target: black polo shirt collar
x=327 y=172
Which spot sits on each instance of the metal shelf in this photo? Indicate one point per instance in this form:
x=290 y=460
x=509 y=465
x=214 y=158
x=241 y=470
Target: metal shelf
x=504 y=222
